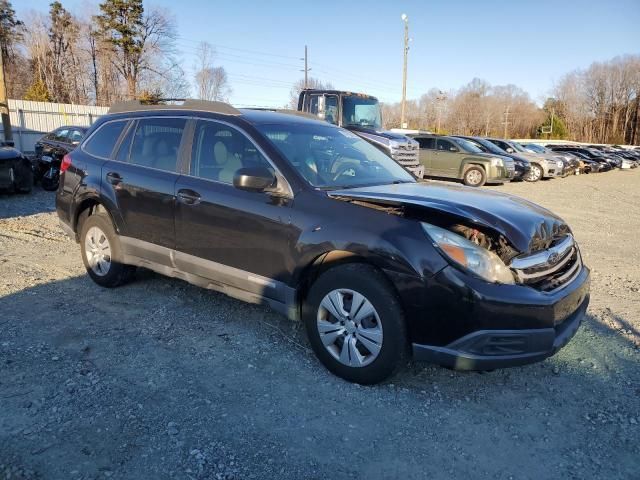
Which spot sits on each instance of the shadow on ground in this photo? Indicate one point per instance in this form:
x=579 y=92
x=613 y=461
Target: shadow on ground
x=160 y=379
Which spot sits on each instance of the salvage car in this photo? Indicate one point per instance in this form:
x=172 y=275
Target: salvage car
x=16 y=174
x=521 y=164
x=50 y=150
x=571 y=162
x=309 y=218
x=454 y=157
x=542 y=165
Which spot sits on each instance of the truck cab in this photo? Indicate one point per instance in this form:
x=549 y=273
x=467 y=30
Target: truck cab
x=360 y=113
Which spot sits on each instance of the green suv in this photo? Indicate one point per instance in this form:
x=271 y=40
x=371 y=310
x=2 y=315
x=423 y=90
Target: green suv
x=452 y=157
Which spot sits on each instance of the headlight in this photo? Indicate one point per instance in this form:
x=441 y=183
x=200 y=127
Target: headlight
x=485 y=264
x=497 y=162
x=559 y=164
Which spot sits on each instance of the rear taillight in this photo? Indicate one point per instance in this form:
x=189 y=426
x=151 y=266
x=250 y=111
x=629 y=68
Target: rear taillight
x=66 y=163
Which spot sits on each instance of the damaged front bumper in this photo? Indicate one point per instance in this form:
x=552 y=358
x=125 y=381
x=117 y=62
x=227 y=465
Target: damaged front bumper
x=517 y=324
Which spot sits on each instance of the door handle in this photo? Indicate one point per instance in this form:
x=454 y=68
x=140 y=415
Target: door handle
x=114 y=178
x=188 y=197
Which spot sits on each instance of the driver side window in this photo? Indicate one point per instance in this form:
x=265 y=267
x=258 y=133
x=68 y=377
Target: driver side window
x=444 y=145
x=219 y=151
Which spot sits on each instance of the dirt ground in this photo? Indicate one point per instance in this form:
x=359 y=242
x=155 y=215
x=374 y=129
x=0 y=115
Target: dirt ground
x=159 y=379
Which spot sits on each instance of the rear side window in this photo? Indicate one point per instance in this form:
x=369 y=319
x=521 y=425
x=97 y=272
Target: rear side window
x=156 y=143
x=75 y=136
x=101 y=143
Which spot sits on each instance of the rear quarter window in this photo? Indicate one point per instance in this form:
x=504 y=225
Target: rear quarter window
x=101 y=143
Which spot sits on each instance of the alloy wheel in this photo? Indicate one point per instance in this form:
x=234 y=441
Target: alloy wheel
x=474 y=177
x=98 y=251
x=349 y=327
x=535 y=173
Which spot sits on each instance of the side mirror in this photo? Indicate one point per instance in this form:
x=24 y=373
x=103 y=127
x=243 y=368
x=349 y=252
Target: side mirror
x=253 y=179
x=453 y=149
x=509 y=150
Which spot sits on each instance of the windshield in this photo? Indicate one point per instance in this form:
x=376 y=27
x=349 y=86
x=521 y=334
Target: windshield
x=489 y=146
x=516 y=147
x=360 y=112
x=467 y=145
x=535 y=148
x=329 y=157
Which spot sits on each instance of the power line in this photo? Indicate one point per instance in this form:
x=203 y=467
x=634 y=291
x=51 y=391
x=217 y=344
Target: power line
x=255 y=52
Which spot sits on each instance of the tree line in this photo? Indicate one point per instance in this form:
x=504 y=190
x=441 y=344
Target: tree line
x=599 y=104
x=125 y=50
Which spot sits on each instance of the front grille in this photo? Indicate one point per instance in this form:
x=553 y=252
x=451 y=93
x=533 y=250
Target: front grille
x=406 y=154
x=509 y=165
x=549 y=269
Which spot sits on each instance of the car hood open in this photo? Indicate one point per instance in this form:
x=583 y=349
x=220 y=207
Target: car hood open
x=528 y=226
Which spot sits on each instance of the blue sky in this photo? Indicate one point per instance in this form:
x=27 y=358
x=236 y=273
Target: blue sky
x=358 y=45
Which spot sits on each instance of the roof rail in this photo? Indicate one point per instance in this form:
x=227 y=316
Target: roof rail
x=288 y=111
x=187 y=104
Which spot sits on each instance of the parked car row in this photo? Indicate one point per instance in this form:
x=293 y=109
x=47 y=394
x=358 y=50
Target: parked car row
x=479 y=160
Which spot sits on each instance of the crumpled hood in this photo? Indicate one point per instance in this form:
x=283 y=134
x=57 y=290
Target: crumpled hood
x=529 y=227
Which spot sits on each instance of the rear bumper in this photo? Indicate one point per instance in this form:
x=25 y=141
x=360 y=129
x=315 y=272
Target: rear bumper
x=491 y=349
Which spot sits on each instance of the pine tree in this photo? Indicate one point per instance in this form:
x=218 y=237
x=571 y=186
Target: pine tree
x=121 y=24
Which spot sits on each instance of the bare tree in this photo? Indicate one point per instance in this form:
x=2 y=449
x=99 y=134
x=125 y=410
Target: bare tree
x=212 y=82
x=312 y=82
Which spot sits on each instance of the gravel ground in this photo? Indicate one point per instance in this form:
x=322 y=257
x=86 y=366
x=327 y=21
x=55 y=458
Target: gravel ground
x=159 y=379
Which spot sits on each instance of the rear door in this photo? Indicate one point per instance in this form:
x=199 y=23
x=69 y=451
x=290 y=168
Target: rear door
x=447 y=159
x=236 y=237
x=140 y=180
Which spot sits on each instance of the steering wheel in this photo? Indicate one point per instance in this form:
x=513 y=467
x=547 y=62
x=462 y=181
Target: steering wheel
x=346 y=170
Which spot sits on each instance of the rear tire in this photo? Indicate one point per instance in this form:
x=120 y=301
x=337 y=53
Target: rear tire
x=102 y=254
x=361 y=336
x=475 y=177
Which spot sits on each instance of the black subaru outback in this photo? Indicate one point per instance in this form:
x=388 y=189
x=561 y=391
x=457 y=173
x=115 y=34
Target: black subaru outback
x=276 y=208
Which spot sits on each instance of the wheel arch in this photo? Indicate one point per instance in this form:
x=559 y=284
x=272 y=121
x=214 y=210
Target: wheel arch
x=90 y=206
x=325 y=262
x=468 y=163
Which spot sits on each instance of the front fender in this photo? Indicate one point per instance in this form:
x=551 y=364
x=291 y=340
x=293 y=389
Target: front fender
x=404 y=248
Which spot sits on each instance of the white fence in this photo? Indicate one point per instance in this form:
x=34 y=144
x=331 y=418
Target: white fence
x=30 y=120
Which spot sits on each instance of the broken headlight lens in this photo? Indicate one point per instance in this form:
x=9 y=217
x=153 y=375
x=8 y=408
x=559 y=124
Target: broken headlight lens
x=485 y=264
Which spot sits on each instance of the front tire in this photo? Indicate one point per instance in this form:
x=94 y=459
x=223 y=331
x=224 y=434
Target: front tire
x=535 y=173
x=355 y=324
x=475 y=177
x=101 y=252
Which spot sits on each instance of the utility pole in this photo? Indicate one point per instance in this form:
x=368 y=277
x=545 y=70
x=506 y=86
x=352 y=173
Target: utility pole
x=306 y=68
x=439 y=99
x=405 y=19
x=506 y=122
x=4 y=105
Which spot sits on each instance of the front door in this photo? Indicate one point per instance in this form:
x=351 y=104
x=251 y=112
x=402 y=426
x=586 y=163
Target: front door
x=427 y=151
x=447 y=158
x=141 y=180
x=235 y=237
